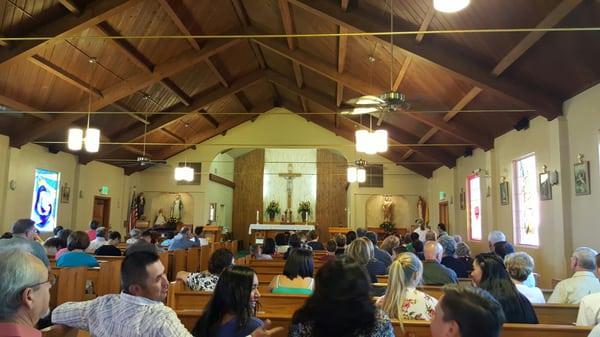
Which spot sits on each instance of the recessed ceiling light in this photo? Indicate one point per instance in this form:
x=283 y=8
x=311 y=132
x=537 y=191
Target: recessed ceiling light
x=450 y=6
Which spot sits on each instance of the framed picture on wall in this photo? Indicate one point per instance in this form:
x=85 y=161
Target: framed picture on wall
x=462 y=199
x=65 y=193
x=504 y=198
x=545 y=186
x=581 y=171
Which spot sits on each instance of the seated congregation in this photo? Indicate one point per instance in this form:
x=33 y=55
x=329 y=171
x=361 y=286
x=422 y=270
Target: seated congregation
x=294 y=285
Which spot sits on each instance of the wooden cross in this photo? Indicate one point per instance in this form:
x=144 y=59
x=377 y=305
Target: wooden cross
x=289 y=176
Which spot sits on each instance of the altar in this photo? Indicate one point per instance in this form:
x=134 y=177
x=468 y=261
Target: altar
x=269 y=230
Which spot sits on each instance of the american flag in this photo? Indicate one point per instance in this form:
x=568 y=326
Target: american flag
x=133 y=212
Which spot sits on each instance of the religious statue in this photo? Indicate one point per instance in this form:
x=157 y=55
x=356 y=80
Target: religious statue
x=422 y=210
x=388 y=209
x=140 y=202
x=177 y=208
x=160 y=218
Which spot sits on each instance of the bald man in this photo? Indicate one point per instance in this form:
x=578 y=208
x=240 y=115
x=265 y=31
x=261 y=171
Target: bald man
x=435 y=273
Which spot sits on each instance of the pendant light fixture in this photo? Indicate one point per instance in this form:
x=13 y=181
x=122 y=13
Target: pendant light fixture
x=450 y=6
x=76 y=138
x=184 y=173
x=371 y=142
x=357 y=173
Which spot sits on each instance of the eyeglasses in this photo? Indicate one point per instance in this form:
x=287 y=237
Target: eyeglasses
x=51 y=280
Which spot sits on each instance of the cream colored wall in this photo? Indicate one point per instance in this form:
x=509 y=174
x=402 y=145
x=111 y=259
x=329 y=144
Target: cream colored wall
x=280 y=128
x=221 y=195
x=20 y=164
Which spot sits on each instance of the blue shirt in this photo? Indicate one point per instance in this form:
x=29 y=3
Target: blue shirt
x=166 y=243
x=230 y=329
x=383 y=256
x=183 y=242
x=76 y=259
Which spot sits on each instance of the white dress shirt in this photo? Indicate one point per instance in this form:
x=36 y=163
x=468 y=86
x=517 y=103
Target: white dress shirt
x=589 y=310
x=533 y=294
x=572 y=290
x=121 y=315
x=95 y=244
x=595 y=332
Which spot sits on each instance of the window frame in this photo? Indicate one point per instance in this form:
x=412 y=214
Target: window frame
x=468 y=202
x=516 y=201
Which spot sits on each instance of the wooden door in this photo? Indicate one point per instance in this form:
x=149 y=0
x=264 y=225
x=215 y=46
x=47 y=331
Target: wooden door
x=444 y=217
x=102 y=210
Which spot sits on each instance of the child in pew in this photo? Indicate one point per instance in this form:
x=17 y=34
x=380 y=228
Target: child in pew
x=341 y=305
x=207 y=280
x=297 y=275
x=402 y=300
x=256 y=253
x=110 y=249
x=77 y=242
x=489 y=273
x=268 y=247
x=232 y=309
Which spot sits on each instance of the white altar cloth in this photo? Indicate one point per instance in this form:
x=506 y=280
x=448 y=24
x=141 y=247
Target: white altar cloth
x=283 y=227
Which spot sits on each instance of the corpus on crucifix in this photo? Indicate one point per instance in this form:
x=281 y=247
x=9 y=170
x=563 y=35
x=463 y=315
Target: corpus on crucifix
x=289 y=176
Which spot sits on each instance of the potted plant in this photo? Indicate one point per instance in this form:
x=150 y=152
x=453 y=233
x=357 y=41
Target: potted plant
x=272 y=210
x=388 y=227
x=304 y=210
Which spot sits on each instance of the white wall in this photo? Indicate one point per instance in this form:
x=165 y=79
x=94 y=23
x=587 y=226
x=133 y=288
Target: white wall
x=223 y=166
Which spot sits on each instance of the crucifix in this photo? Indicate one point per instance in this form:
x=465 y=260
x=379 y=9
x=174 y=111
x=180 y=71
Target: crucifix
x=289 y=176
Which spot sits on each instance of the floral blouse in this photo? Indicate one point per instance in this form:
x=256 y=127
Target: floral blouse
x=203 y=281
x=383 y=328
x=417 y=305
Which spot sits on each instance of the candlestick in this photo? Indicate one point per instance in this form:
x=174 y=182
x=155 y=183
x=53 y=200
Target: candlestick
x=257 y=217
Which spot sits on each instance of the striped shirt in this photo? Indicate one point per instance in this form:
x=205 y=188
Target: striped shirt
x=121 y=315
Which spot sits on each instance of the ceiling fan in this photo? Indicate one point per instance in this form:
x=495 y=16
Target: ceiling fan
x=384 y=103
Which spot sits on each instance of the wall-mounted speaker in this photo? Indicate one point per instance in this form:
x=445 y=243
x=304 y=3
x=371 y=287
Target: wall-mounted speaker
x=522 y=124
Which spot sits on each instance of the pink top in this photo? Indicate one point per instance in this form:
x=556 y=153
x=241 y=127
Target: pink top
x=91 y=234
x=60 y=252
x=16 y=330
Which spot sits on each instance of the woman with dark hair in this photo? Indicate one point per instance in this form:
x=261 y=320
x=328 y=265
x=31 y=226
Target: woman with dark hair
x=77 y=242
x=341 y=305
x=350 y=236
x=489 y=273
x=207 y=280
x=232 y=309
x=268 y=247
x=64 y=236
x=91 y=233
x=53 y=245
x=295 y=242
x=418 y=249
x=281 y=241
x=297 y=275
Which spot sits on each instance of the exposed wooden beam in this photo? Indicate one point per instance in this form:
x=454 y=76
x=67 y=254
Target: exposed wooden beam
x=240 y=12
x=71 y=6
x=96 y=12
x=344 y=4
x=220 y=180
x=123 y=89
x=342 y=49
x=259 y=55
x=328 y=104
x=4 y=43
x=63 y=74
x=183 y=19
x=457 y=64
x=210 y=119
x=176 y=90
x=339 y=94
x=554 y=17
x=402 y=72
x=19 y=106
x=199 y=102
x=122 y=107
x=425 y=24
x=464 y=101
x=173 y=136
x=298 y=74
x=125 y=48
x=304 y=104
x=288 y=23
x=217 y=73
x=363 y=87
x=243 y=100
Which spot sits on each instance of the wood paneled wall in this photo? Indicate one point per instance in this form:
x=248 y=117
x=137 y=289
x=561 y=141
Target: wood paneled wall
x=247 y=195
x=331 y=191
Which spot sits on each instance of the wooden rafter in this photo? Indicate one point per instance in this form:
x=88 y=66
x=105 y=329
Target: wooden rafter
x=123 y=89
x=182 y=18
x=341 y=62
x=122 y=107
x=219 y=72
x=199 y=102
x=173 y=136
x=457 y=64
x=71 y=6
x=63 y=75
x=240 y=12
x=177 y=91
x=19 y=106
x=402 y=73
x=364 y=87
x=344 y=4
x=96 y=12
x=327 y=103
x=555 y=16
x=288 y=27
x=425 y=24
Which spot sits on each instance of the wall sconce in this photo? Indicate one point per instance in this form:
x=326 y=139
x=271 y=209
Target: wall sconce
x=13 y=185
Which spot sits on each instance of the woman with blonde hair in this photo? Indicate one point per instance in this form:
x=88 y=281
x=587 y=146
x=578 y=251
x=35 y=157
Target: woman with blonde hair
x=389 y=243
x=362 y=251
x=402 y=300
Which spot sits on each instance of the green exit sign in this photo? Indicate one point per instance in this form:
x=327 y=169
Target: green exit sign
x=104 y=190
x=442 y=195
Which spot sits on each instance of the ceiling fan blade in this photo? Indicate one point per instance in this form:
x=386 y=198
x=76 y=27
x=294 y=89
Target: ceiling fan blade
x=358 y=111
x=118 y=160
x=365 y=100
x=380 y=118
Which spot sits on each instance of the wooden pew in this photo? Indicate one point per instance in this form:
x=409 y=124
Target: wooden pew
x=193 y=260
x=63 y=331
x=417 y=328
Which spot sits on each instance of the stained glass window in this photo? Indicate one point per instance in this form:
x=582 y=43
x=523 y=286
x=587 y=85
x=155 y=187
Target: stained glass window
x=526 y=208
x=474 y=206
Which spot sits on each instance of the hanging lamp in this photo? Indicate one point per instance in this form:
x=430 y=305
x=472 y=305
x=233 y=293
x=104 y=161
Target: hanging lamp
x=76 y=138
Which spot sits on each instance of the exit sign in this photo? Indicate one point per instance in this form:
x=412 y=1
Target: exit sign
x=442 y=195
x=104 y=190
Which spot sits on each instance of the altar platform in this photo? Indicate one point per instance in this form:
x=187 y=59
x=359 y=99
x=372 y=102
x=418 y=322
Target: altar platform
x=269 y=230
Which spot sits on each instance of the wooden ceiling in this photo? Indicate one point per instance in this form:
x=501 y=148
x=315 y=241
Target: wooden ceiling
x=478 y=84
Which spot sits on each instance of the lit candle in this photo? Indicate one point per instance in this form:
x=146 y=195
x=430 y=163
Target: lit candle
x=257 y=215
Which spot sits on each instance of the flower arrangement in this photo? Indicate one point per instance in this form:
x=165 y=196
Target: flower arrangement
x=304 y=207
x=388 y=227
x=273 y=208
